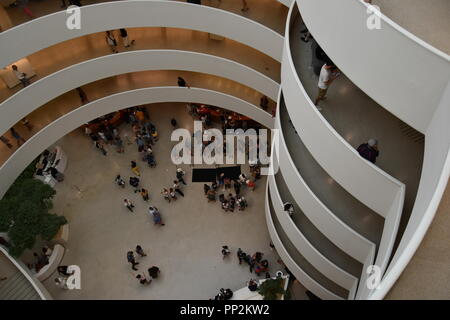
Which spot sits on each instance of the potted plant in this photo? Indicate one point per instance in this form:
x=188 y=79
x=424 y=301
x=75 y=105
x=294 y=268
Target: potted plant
x=272 y=289
x=24 y=213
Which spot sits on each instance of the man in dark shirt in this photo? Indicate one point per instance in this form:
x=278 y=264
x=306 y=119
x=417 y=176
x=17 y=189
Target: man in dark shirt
x=369 y=150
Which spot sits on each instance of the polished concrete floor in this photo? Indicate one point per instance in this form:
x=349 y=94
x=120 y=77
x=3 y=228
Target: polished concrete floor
x=186 y=249
x=357 y=118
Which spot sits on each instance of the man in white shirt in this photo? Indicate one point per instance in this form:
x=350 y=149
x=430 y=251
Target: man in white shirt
x=21 y=76
x=325 y=78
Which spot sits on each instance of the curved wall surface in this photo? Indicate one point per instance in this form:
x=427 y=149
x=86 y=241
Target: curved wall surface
x=347 y=239
x=46 y=31
x=52 y=86
x=333 y=153
x=402 y=73
x=69 y=122
x=301 y=275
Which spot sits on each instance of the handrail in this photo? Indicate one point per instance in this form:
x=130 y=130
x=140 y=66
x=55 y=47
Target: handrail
x=37 y=285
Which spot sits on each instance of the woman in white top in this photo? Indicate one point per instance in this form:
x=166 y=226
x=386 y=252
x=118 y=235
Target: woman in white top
x=111 y=41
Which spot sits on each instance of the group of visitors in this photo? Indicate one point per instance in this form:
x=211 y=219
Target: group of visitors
x=112 y=42
x=153 y=271
x=255 y=262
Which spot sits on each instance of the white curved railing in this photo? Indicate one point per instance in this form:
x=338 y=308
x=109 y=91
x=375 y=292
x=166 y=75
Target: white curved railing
x=358 y=176
x=302 y=276
x=37 y=285
x=434 y=180
x=402 y=73
x=287 y=3
x=306 y=249
x=18 y=161
x=58 y=83
x=51 y=29
x=343 y=236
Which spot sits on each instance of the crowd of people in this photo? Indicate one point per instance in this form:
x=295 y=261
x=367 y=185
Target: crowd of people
x=256 y=264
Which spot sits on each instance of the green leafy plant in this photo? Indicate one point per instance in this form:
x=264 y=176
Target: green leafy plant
x=271 y=289
x=24 y=212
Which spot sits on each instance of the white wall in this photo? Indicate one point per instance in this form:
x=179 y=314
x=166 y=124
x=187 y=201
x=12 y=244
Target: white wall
x=434 y=179
x=365 y=181
x=43 y=32
x=344 y=237
x=302 y=276
x=399 y=71
x=58 y=83
x=307 y=249
x=67 y=123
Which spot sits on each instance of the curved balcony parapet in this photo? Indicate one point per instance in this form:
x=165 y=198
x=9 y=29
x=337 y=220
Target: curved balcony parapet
x=307 y=249
x=18 y=161
x=365 y=181
x=398 y=70
x=304 y=278
x=46 y=31
x=50 y=87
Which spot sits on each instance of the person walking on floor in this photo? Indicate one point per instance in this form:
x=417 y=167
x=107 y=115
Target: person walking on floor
x=172 y=194
x=225 y=252
x=144 y=194
x=17 y=136
x=206 y=188
x=26 y=123
x=240 y=254
x=182 y=83
x=83 y=96
x=143 y=279
x=6 y=142
x=99 y=145
x=128 y=204
x=111 y=41
x=131 y=259
x=124 y=35
x=165 y=193
x=369 y=150
x=177 y=187
x=140 y=251
x=135 y=168
x=157 y=219
x=180 y=174
x=21 y=76
x=326 y=77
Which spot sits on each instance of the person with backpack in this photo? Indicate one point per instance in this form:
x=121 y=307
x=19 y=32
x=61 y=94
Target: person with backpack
x=131 y=259
x=369 y=150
